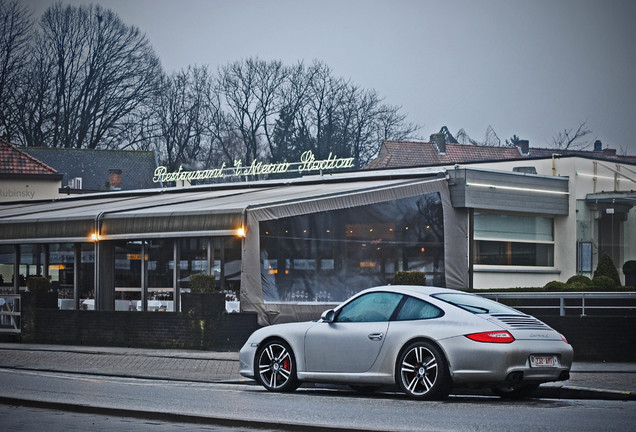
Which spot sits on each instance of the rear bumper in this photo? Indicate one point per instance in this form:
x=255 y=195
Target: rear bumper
x=475 y=362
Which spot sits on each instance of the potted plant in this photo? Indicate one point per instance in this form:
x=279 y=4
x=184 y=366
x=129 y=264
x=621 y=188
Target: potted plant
x=203 y=298
x=39 y=293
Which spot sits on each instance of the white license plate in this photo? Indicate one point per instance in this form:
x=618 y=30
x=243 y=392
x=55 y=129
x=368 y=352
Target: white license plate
x=543 y=361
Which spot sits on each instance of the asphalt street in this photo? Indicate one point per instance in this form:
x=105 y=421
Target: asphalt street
x=603 y=381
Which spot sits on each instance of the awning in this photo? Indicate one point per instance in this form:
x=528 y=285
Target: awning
x=199 y=211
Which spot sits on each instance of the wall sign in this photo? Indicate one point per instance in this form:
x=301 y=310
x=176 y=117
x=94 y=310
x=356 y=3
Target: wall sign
x=308 y=163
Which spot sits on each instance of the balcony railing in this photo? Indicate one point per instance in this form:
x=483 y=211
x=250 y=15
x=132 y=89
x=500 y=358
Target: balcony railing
x=10 y=313
x=569 y=303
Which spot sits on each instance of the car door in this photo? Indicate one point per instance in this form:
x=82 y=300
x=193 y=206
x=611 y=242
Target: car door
x=352 y=342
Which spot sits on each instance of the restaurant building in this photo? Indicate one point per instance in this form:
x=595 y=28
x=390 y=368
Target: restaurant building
x=288 y=248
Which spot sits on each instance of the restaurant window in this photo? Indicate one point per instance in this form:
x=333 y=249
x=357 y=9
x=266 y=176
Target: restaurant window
x=7 y=260
x=86 y=289
x=513 y=240
x=31 y=263
x=128 y=275
x=61 y=272
x=193 y=259
x=160 y=264
x=329 y=256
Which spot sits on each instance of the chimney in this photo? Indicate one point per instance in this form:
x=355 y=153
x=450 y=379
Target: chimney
x=524 y=147
x=598 y=146
x=114 y=179
x=439 y=141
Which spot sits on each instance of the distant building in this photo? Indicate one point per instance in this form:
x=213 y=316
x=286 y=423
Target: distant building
x=24 y=178
x=99 y=170
x=601 y=217
x=440 y=152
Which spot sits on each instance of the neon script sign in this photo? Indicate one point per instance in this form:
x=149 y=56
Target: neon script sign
x=308 y=163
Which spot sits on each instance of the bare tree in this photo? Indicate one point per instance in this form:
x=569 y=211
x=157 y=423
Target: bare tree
x=94 y=72
x=15 y=22
x=570 y=139
x=181 y=115
x=251 y=90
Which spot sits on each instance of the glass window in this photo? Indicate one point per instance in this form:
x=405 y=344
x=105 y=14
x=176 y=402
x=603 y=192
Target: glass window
x=513 y=240
x=31 y=262
x=330 y=256
x=7 y=259
x=193 y=259
x=474 y=304
x=160 y=274
x=86 y=288
x=416 y=309
x=511 y=226
x=128 y=275
x=62 y=269
x=370 y=307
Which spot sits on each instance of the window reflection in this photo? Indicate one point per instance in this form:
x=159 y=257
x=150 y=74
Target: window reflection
x=329 y=256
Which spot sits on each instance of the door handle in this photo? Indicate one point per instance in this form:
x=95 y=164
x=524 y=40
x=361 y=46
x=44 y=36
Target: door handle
x=376 y=336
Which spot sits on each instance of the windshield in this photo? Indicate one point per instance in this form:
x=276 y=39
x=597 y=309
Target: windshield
x=474 y=304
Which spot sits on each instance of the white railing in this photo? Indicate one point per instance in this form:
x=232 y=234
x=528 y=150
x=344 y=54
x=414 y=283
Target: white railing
x=560 y=298
x=10 y=313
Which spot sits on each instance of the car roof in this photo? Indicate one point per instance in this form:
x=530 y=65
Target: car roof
x=415 y=290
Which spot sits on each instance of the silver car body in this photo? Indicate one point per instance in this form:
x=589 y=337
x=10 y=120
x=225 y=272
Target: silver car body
x=365 y=353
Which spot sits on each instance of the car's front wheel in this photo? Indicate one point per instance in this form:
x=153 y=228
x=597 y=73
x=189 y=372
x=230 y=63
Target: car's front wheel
x=423 y=372
x=276 y=367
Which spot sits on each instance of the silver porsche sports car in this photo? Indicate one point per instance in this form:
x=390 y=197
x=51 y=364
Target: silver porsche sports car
x=425 y=340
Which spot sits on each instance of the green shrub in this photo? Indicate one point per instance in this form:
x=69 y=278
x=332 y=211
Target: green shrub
x=604 y=283
x=409 y=278
x=555 y=286
x=38 y=284
x=580 y=279
x=577 y=287
x=607 y=268
x=202 y=283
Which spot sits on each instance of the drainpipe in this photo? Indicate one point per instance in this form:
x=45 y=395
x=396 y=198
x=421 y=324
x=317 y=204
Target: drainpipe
x=553 y=165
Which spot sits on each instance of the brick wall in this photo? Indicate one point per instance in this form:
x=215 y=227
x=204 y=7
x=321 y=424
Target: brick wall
x=594 y=338
x=221 y=331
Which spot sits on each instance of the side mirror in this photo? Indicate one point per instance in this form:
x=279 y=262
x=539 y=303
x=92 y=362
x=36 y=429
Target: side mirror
x=328 y=316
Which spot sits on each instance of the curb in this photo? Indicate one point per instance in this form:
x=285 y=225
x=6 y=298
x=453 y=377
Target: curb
x=176 y=417
x=585 y=393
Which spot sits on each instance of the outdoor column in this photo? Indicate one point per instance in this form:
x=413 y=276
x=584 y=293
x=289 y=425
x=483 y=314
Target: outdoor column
x=77 y=264
x=105 y=275
x=176 y=296
x=144 y=278
x=16 y=270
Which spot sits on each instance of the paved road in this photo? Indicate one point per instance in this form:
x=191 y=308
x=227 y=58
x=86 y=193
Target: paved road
x=607 y=380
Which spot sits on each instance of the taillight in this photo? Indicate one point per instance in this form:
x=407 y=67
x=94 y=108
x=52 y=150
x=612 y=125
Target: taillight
x=492 y=337
x=563 y=338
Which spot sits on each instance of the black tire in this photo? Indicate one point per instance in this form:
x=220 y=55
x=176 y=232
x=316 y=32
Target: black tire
x=276 y=367
x=514 y=393
x=422 y=372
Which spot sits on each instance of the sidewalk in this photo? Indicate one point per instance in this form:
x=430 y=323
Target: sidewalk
x=607 y=381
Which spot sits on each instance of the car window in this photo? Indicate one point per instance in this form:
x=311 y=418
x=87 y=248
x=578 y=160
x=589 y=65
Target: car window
x=416 y=309
x=372 y=307
x=474 y=304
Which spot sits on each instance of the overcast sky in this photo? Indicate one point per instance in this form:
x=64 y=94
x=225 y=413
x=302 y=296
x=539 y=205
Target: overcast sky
x=530 y=68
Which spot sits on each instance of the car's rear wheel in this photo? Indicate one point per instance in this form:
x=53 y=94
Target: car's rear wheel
x=423 y=372
x=276 y=367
